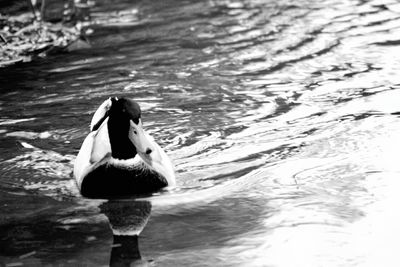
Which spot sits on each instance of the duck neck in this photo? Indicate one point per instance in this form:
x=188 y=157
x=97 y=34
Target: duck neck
x=118 y=132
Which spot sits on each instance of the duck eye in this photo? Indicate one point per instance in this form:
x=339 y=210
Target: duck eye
x=134 y=131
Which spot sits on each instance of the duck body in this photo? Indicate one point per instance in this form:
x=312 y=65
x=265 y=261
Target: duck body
x=118 y=158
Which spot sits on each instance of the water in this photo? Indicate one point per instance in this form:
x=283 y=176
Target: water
x=282 y=118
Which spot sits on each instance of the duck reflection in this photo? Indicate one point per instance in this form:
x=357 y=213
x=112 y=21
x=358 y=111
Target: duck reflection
x=127 y=219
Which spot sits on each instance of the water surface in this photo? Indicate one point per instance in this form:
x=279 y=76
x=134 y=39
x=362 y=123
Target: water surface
x=282 y=118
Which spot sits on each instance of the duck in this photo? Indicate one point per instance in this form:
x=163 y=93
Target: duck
x=118 y=157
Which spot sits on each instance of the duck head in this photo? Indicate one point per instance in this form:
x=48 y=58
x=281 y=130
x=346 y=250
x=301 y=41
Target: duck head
x=127 y=137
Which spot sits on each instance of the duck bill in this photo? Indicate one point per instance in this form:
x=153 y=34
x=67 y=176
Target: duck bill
x=151 y=153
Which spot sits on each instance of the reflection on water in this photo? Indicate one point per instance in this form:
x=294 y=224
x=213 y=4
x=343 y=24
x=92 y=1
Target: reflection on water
x=127 y=220
x=282 y=119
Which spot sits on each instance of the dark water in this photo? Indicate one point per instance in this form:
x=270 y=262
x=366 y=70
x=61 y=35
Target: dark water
x=282 y=118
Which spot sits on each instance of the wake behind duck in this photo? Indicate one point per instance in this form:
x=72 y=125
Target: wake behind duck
x=118 y=158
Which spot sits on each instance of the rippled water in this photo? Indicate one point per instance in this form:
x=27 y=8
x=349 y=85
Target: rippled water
x=282 y=118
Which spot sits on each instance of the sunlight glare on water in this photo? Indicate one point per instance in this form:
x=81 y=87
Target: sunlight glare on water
x=282 y=119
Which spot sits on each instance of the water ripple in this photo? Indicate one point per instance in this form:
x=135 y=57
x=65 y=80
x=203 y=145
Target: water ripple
x=281 y=119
